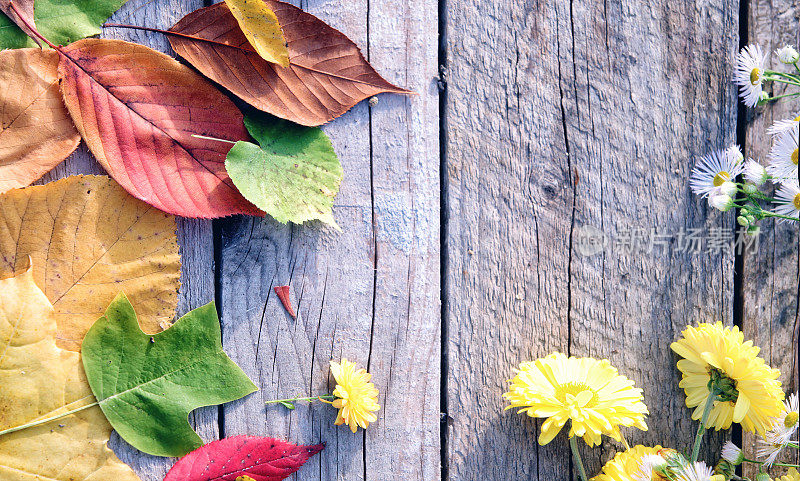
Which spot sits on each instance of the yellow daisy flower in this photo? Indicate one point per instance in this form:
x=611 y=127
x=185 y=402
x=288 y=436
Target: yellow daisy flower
x=356 y=397
x=749 y=390
x=792 y=475
x=636 y=464
x=586 y=391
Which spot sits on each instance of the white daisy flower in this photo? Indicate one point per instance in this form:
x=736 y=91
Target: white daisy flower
x=783 y=125
x=732 y=454
x=721 y=202
x=769 y=447
x=787 y=201
x=755 y=173
x=783 y=158
x=696 y=472
x=734 y=153
x=787 y=55
x=712 y=171
x=749 y=74
x=787 y=423
x=649 y=465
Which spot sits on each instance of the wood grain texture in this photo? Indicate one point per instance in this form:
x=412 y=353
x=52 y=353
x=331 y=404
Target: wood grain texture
x=771 y=274
x=369 y=293
x=195 y=237
x=593 y=119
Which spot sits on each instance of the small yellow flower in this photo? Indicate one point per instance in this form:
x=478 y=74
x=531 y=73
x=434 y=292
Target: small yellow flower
x=586 y=391
x=751 y=393
x=792 y=475
x=634 y=464
x=357 y=398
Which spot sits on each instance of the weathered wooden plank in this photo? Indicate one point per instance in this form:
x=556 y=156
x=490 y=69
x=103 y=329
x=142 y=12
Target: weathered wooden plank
x=369 y=293
x=593 y=119
x=771 y=274
x=195 y=237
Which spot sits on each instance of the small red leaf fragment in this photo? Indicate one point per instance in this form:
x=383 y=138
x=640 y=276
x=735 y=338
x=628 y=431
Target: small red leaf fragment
x=229 y=459
x=283 y=295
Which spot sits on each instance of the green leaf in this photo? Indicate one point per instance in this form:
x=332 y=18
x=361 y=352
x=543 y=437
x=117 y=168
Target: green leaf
x=60 y=21
x=294 y=174
x=287 y=404
x=148 y=384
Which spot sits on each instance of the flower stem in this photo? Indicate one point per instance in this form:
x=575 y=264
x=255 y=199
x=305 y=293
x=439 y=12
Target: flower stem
x=573 y=443
x=701 y=429
x=309 y=399
x=47 y=420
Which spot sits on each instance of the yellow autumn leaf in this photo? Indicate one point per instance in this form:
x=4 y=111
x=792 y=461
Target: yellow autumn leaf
x=38 y=381
x=245 y=478
x=261 y=27
x=91 y=240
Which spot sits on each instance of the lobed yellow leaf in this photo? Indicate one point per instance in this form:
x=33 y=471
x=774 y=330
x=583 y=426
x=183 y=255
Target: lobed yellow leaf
x=91 y=240
x=261 y=28
x=38 y=381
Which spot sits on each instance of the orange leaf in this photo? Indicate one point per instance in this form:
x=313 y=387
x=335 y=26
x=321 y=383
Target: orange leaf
x=138 y=109
x=36 y=132
x=327 y=76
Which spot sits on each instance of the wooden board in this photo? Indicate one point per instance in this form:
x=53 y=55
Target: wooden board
x=369 y=293
x=771 y=275
x=592 y=121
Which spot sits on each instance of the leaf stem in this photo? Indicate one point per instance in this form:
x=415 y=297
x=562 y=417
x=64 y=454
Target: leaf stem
x=310 y=399
x=573 y=444
x=212 y=138
x=701 y=429
x=32 y=29
x=47 y=420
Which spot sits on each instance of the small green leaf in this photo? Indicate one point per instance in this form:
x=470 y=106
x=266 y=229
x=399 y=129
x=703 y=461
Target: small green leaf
x=293 y=175
x=147 y=385
x=287 y=404
x=61 y=22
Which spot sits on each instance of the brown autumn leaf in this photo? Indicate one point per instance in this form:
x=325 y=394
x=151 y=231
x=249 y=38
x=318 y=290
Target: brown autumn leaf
x=36 y=131
x=90 y=240
x=138 y=111
x=326 y=77
x=24 y=21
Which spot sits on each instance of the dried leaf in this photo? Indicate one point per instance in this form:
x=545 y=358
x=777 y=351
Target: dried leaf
x=40 y=381
x=36 y=131
x=293 y=175
x=24 y=7
x=147 y=385
x=138 y=109
x=260 y=25
x=61 y=22
x=91 y=240
x=283 y=295
x=261 y=459
x=328 y=74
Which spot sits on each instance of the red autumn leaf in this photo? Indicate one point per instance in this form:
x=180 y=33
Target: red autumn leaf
x=137 y=110
x=263 y=459
x=283 y=295
x=327 y=76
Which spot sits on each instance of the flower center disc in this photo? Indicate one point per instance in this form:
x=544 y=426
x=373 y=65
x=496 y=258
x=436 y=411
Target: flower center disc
x=722 y=177
x=796 y=202
x=795 y=155
x=755 y=76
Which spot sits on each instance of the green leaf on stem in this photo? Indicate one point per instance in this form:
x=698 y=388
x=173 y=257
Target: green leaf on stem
x=147 y=385
x=61 y=22
x=292 y=175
